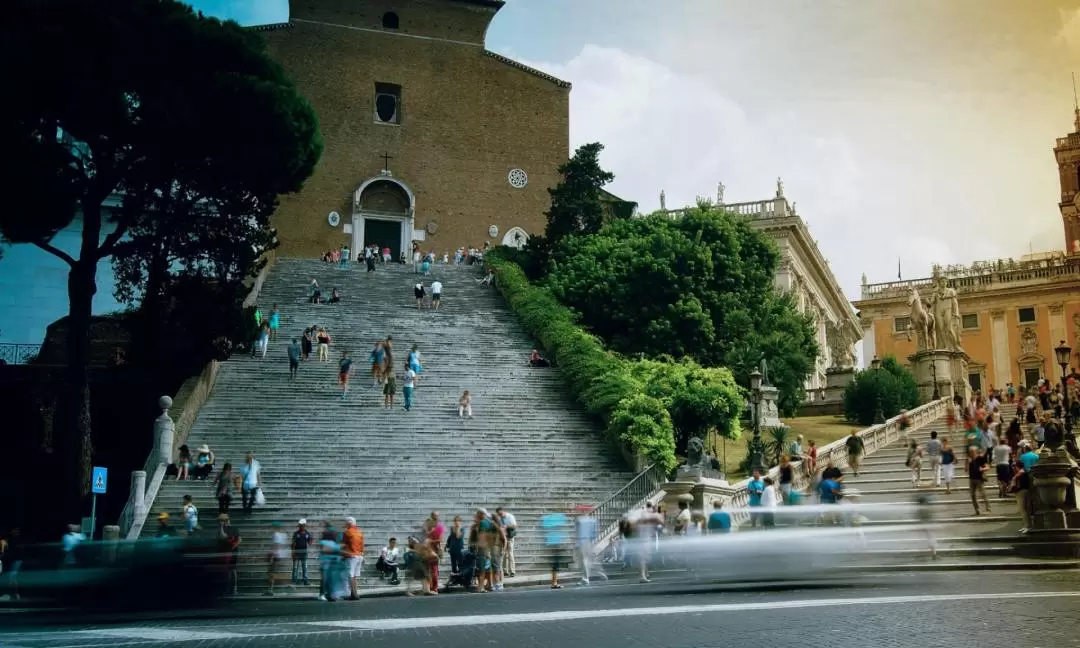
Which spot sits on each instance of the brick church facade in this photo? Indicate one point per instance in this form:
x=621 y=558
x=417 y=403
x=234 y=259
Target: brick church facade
x=428 y=135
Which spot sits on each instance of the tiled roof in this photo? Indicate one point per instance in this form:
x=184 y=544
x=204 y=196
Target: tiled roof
x=525 y=68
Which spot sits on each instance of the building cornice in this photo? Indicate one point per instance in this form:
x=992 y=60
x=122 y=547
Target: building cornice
x=525 y=68
x=807 y=248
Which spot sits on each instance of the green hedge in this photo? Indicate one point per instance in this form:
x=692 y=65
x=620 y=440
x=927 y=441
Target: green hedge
x=643 y=403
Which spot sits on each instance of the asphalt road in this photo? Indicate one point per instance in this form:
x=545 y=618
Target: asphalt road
x=988 y=609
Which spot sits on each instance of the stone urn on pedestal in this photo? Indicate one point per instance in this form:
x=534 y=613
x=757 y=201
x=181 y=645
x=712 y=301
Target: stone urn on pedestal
x=1055 y=519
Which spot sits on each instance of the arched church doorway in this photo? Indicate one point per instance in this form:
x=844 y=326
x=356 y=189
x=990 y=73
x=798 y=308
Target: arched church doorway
x=383 y=215
x=515 y=237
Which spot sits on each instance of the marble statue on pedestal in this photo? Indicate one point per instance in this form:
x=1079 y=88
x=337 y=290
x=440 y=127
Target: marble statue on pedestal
x=839 y=346
x=922 y=322
x=946 y=310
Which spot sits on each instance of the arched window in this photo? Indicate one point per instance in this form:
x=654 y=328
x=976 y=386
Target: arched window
x=390 y=20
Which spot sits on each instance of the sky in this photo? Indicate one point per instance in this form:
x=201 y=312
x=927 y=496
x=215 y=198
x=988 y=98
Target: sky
x=908 y=132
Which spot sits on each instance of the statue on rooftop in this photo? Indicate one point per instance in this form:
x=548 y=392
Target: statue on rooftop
x=779 y=187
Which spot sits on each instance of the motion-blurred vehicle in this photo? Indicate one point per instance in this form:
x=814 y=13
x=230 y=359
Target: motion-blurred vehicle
x=147 y=573
x=810 y=543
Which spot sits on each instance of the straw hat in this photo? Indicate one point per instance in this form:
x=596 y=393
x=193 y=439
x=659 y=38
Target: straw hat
x=163 y=516
x=203 y=448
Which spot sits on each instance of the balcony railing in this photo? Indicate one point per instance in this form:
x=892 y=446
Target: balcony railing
x=14 y=354
x=981 y=277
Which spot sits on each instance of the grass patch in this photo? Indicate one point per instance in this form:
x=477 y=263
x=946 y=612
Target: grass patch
x=821 y=429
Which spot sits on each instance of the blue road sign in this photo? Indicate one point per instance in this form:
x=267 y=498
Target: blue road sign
x=99 y=481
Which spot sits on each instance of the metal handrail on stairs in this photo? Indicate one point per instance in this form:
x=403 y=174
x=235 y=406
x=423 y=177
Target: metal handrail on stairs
x=644 y=487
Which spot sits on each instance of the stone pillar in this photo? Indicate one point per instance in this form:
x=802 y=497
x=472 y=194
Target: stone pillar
x=110 y=536
x=949 y=368
x=138 y=492
x=164 y=432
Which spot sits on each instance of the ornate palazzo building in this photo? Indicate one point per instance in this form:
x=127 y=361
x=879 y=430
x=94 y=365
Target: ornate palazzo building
x=1013 y=312
x=804 y=272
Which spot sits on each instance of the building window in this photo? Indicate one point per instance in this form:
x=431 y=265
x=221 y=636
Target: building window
x=1026 y=315
x=387 y=103
x=975 y=380
x=970 y=321
x=901 y=324
x=390 y=20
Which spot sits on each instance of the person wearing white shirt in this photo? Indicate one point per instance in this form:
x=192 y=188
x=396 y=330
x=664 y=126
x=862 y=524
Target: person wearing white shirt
x=509 y=523
x=407 y=388
x=389 y=558
x=768 y=502
x=436 y=294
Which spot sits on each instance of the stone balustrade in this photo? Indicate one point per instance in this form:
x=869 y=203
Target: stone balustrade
x=984 y=277
x=736 y=498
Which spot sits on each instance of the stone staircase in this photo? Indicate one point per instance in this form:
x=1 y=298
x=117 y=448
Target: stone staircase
x=964 y=539
x=529 y=448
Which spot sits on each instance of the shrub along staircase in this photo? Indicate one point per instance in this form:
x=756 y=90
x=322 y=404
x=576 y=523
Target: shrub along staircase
x=530 y=448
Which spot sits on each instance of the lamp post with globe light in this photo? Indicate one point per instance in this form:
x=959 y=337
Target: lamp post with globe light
x=1063 y=353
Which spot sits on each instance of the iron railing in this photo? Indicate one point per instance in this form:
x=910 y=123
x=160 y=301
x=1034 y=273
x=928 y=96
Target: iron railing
x=18 y=353
x=627 y=498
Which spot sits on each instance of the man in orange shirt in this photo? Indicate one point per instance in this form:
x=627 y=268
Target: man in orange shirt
x=352 y=547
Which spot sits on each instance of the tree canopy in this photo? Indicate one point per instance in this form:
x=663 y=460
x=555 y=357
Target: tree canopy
x=892 y=388
x=700 y=286
x=183 y=119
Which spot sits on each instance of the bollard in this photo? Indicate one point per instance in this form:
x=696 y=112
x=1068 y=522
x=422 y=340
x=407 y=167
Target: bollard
x=110 y=537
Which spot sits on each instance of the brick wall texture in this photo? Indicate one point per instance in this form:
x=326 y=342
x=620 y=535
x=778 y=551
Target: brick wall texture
x=467 y=119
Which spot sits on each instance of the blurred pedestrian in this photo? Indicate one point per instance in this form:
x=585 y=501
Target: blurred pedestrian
x=555 y=526
x=768 y=502
x=933 y=457
x=586 y=541
x=948 y=465
x=329 y=556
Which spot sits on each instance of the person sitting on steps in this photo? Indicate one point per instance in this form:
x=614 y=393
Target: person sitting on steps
x=537 y=360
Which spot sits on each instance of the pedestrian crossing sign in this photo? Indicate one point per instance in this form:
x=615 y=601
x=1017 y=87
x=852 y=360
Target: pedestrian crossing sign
x=99 y=480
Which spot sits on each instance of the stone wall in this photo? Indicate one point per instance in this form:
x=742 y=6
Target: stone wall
x=189 y=400
x=468 y=118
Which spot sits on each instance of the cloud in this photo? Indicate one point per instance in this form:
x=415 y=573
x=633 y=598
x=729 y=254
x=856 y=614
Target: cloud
x=678 y=132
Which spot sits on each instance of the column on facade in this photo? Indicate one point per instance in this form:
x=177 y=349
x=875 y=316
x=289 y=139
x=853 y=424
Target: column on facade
x=869 y=344
x=999 y=344
x=1058 y=330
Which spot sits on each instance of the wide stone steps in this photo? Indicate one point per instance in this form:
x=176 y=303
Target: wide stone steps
x=529 y=447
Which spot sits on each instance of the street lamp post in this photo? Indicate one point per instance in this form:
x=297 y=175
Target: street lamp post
x=1063 y=354
x=757 y=447
x=879 y=414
